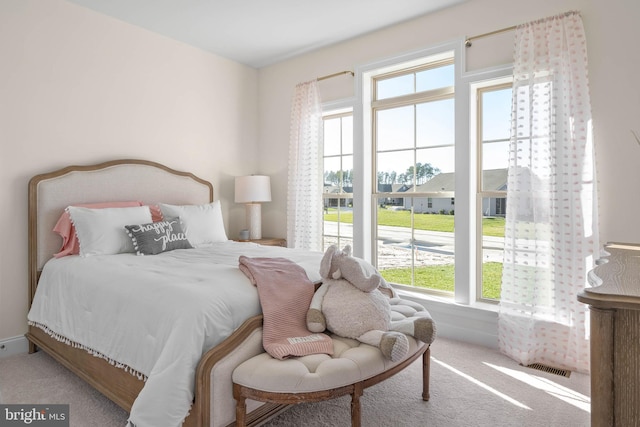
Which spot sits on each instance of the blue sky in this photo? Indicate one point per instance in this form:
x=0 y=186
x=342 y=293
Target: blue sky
x=434 y=131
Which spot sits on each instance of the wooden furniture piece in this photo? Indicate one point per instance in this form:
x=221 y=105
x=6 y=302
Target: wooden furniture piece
x=351 y=368
x=49 y=195
x=268 y=241
x=255 y=392
x=614 y=303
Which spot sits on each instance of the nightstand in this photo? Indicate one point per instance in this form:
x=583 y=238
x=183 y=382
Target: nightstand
x=267 y=241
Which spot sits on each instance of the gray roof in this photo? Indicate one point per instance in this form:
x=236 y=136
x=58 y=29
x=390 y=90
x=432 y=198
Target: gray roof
x=494 y=180
x=400 y=188
x=334 y=189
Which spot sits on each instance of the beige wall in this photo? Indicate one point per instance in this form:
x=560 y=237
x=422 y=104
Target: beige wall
x=77 y=87
x=614 y=60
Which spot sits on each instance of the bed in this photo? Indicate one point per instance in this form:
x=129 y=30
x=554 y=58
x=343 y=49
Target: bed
x=128 y=382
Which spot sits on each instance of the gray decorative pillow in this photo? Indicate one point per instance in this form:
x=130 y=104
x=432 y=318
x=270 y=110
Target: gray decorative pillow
x=156 y=237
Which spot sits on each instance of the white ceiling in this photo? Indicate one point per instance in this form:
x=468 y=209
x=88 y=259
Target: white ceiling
x=262 y=32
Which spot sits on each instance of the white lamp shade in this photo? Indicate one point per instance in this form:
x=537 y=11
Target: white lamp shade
x=253 y=188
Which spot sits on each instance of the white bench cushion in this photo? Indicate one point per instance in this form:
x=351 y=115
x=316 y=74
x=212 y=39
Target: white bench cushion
x=351 y=362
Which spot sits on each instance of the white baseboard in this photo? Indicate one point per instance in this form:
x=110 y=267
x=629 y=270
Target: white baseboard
x=15 y=345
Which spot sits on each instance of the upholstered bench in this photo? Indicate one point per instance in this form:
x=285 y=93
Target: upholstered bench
x=353 y=367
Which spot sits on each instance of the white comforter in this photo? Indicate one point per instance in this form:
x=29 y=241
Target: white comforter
x=155 y=315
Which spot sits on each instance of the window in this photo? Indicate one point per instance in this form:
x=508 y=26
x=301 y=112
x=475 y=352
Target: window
x=414 y=155
x=430 y=160
x=494 y=127
x=338 y=178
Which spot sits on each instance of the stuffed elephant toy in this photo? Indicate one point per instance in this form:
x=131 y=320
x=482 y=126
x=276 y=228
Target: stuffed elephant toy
x=354 y=302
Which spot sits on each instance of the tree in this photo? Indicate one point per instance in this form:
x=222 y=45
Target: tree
x=330 y=178
x=344 y=178
x=424 y=172
x=347 y=177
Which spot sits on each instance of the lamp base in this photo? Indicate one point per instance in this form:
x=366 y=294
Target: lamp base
x=254 y=220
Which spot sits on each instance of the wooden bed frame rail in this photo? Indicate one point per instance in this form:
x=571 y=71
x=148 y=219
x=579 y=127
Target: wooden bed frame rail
x=123 y=387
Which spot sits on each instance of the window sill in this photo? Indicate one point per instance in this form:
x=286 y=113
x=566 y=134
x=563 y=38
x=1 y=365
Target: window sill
x=411 y=294
x=475 y=323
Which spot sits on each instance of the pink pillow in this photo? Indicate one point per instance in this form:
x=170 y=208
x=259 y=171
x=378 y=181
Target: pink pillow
x=156 y=213
x=66 y=230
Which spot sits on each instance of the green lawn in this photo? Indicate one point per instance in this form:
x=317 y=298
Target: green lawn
x=491 y=226
x=440 y=277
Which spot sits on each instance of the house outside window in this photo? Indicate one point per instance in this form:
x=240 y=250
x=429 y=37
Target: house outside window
x=338 y=178
x=418 y=122
x=413 y=113
x=493 y=130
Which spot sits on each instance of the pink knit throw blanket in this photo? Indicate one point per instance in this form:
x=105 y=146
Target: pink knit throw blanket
x=285 y=293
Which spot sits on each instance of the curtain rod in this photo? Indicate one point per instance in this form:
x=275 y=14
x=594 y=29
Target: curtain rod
x=334 y=75
x=468 y=43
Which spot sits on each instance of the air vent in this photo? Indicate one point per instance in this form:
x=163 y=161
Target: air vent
x=549 y=369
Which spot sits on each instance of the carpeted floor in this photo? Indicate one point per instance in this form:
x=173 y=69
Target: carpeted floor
x=470 y=386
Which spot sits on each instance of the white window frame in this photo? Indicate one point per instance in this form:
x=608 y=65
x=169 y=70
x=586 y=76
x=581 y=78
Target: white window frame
x=466 y=167
x=365 y=247
x=477 y=89
x=409 y=100
x=337 y=108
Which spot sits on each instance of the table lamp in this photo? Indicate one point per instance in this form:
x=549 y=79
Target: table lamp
x=253 y=190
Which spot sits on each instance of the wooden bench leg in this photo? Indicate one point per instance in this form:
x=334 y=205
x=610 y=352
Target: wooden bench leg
x=426 y=368
x=355 y=405
x=241 y=406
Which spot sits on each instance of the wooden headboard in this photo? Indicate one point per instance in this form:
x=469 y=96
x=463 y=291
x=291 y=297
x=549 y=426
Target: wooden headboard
x=118 y=180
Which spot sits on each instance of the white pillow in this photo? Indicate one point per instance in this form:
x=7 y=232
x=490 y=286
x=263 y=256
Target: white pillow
x=202 y=223
x=102 y=232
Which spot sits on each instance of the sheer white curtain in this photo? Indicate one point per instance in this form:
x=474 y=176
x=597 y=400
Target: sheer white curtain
x=551 y=231
x=304 y=197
